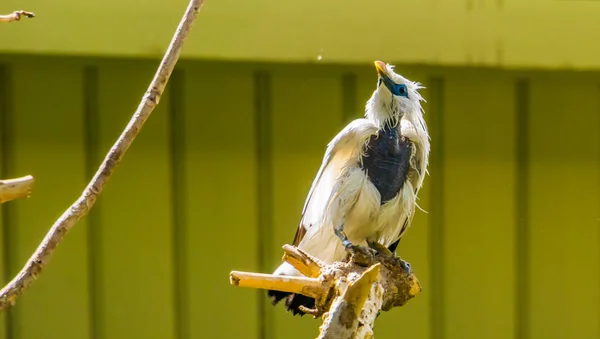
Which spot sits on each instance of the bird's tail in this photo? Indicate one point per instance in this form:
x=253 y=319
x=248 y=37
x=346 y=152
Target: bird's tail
x=293 y=301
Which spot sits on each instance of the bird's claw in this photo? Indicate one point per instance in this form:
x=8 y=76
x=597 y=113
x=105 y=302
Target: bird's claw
x=384 y=251
x=380 y=249
x=406 y=265
x=360 y=255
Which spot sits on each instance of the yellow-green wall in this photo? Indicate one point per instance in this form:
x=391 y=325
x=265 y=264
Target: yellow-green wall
x=506 y=33
x=509 y=246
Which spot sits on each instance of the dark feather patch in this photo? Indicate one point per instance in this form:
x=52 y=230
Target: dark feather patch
x=393 y=246
x=387 y=162
x=276 y=296
x=292 y=301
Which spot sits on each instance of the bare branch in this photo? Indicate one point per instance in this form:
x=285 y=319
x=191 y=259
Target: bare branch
x=19 y=188
x=302 y=261
x=343 y=318
x=348 y=295
x=16 y=16
x=81 y=206
x=307 y=286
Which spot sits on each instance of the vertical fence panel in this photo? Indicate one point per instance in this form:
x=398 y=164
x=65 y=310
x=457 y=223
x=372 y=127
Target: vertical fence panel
x=479 y=134
x=137 y=256
x=6 y=98
x=522 y=225
x=564 y=207
x=262 y=84
x=307 y=114
x=216 y=179
x=179 y=204
x=48 y=130
x=94 y=222
x=220 y=171
x=436 y=223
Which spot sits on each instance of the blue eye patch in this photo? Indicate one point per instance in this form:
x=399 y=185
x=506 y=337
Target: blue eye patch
x=396 y=89
x=400 y=90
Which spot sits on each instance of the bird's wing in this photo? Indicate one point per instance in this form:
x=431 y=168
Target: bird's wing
x=420 y=158
x=345 y=146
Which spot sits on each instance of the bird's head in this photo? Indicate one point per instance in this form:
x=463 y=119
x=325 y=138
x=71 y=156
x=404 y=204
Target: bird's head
x=394 y=98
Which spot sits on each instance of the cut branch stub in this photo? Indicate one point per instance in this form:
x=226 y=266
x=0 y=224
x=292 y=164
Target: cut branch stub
x=302 y=261
x=307 y=286
x=16 y=16
x=19 y=188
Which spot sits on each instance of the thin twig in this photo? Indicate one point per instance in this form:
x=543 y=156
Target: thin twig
x=81 y=206
x=16 y=16
x=19 y=188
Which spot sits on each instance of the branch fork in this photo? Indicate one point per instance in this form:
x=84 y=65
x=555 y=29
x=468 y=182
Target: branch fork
x=349 y=294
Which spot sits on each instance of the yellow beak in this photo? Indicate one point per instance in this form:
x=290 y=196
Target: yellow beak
x=381 y=69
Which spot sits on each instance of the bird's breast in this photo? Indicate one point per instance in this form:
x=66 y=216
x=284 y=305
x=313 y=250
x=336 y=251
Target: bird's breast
x=386 y=161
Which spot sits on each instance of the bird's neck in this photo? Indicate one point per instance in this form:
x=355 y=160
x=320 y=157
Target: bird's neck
x=390 y=126
x=383 y=119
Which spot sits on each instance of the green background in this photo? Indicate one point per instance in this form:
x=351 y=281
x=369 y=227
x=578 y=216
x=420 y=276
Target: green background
x=509 y=246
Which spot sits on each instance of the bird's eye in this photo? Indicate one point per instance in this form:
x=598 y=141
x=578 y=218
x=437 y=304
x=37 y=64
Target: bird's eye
x=400 y=90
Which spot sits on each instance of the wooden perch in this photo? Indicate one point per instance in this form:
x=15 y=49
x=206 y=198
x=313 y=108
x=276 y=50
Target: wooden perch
x=16 y=16
x=19 y=188
x=84 y=203
x=311 y=287
x=348 y=295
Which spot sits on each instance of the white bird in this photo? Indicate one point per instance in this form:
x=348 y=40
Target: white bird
x=365 y=192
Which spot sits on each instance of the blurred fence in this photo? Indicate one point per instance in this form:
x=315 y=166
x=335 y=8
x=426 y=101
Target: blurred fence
x=509 y=247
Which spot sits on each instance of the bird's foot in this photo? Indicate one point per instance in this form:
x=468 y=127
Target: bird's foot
x=360 y=255
x=380 y=249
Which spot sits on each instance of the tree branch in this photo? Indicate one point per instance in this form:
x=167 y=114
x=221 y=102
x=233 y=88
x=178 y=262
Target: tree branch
x=16 y=16
x=342 y=320
x=19 y=188
x=307 y=286
x=349 y=295
x=81 y=206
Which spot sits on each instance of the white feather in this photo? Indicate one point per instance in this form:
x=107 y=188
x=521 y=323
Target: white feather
x=342 y=192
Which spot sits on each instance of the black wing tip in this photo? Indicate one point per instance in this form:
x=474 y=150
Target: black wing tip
x=300 y=233
x=293 y=301
x=276 y=296
x=394 y=246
